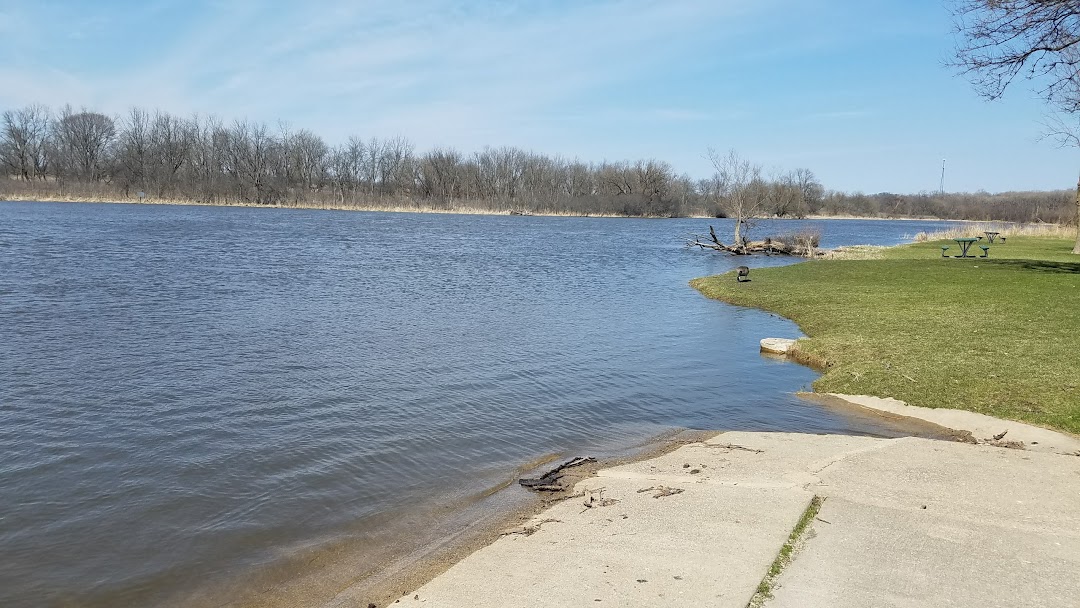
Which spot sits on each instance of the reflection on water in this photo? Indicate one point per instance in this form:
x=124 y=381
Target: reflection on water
x=187 y=393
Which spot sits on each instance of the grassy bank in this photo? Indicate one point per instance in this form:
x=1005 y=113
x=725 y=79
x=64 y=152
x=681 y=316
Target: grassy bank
x=999 y=335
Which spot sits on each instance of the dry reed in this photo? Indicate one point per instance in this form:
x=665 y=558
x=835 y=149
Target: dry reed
x=976 y=229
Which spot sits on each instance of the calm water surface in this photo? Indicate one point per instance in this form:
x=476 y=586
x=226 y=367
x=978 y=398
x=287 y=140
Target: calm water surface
x=189 y=395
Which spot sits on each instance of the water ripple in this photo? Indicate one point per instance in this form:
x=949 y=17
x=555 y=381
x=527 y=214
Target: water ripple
x=232 y=383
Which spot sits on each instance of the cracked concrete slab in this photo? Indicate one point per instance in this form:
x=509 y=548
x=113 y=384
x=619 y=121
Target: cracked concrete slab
x=932 y=523
x=872 y=556
x=705 y=546
x=906 y=522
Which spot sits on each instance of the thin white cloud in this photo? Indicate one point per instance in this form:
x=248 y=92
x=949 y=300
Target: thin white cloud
x=593 y=79
x=381 y=67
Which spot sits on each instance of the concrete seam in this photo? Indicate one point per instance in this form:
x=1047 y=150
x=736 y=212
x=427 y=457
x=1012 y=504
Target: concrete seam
x=787 y=552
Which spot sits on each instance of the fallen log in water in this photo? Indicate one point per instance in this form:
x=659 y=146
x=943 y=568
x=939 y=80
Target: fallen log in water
x=549 y=482
x=768 y=246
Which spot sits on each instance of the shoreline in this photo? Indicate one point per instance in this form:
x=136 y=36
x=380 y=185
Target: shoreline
x=839 y=518
x=349 y=573
x=794 y=519
x=849 y=317
x=342 y=578
x=425 y=564
x=971 y=426
x=464 y=210
x=450 y=550
x=396 y=581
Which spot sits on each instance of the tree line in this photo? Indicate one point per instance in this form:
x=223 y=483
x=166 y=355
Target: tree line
x=73 y=154
x=1054 y=206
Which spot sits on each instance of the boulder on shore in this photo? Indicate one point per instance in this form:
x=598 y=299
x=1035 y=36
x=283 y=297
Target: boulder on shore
x=777 y=346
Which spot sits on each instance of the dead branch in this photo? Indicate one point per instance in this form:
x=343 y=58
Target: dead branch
x=595 y=498
x=549 y=482
x=531 y=529
x=769 y=246
x=732 y=446
x=661 y=491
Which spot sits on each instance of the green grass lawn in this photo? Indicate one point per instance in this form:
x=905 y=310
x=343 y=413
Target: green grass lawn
x=997 y=335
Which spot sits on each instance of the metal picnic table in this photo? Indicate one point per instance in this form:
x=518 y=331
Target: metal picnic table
x=965 y=244
x=990 y=236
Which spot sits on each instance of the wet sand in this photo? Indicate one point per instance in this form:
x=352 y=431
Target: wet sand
x=377 y=566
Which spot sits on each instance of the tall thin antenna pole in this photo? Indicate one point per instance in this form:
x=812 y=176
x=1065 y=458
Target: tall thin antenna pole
x=941 y=186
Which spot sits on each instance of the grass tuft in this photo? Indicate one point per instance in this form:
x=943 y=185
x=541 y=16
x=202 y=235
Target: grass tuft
x=765 y=587
x=855 y=252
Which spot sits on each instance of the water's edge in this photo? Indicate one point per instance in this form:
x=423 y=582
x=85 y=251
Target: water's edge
x=351 y=574
x=215 y=406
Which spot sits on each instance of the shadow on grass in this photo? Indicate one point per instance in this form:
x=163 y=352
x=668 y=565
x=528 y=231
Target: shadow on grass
x=1040 y=265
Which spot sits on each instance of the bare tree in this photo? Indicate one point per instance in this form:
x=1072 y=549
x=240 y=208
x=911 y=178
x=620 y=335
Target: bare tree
x=794 y=193
x=1067 y=133
x=739 y=189
x=346 y=168
x=1037 y=40
x=173 y=139
x=133 y=154
x=654 y=183
x=374 y=152
x=308 y=160
x=208 y=161
x=393 y=165
x=82 y=141
x=439 y=175
x=811 y=192
x=22 y=142
x=199 y=159
x=251 y=161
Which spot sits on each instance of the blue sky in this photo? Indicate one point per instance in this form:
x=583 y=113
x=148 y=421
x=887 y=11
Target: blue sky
x=855 y=91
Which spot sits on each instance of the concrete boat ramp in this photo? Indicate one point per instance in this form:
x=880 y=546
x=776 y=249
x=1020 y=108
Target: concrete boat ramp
x=902 y=522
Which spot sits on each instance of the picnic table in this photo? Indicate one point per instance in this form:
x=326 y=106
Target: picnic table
x=990 y=236
x=965 y=244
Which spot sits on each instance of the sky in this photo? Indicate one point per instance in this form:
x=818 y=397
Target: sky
x=857 y=92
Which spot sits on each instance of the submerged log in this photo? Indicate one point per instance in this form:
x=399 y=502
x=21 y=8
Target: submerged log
x=549 y=482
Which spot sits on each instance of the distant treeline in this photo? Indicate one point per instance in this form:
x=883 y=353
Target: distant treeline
x=83 y=154
x=1056 y=206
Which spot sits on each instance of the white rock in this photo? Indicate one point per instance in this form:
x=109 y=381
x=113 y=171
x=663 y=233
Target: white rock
x=777 y=346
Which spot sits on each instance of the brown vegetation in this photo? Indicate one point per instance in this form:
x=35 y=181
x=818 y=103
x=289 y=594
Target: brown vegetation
x=85 y=155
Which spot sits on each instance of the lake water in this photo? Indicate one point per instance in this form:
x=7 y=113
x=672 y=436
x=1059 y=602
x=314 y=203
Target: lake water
x=192 y=396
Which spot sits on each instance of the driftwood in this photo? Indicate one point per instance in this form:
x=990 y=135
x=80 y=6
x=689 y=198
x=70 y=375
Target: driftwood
x=662 y=491
x=549 y=482
x=529 y=530
x=731 y=446
x=595 y=498
x=747 y=247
